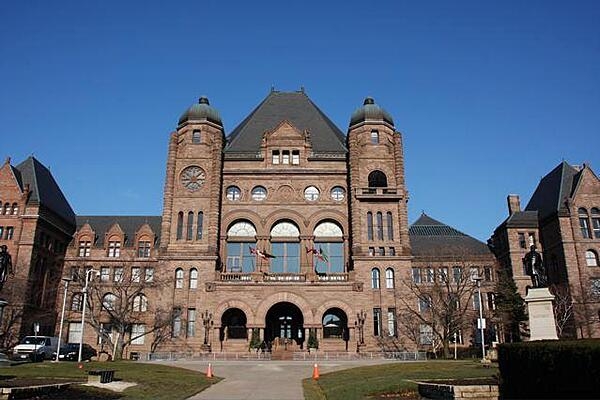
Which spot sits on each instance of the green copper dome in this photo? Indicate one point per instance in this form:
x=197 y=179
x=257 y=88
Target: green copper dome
x=201 y=111
x=370 y=112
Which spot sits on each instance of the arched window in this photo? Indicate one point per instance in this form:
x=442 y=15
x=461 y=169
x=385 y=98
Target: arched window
x=285 y=246
x=375 y=278
x=591 y=258
x=390 y=226
x=193 y=278
x=190 y=226
x=77 y=302
x=140 y=303
x=584 y=224
x=196 y=136
x=379 y=225
x=6 y=208
x=109 y=301
x=179 y=278
x=15 y=209
x=596 y=222
x=241 y=240
x=369 y=225
x=335 y=324
x=389 y=278
x=374 y=136
x=200 y=225
x=377 y=179
x=329 y=247
x=259 y=193
x=233 y=323
x=180 y=225
x=233 y=193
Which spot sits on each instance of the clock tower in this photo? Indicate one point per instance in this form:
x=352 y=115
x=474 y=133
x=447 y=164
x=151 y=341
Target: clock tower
x=193 y=184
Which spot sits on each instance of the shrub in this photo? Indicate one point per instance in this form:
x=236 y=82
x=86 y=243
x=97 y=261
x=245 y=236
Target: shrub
x=550 y=369
x=313 y=342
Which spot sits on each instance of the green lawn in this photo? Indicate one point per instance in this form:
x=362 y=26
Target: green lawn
x=154 y=381
x=358 y=383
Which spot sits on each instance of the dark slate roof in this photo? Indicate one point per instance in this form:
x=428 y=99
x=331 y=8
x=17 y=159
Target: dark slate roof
x=432 y=238
x=370 y=112
x=43 y=188
x=553 y=190
x=522 y=219
x=128 y=223
x=294 y=107
x=201 y=111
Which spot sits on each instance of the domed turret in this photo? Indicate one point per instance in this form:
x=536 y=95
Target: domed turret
x=370 y=112
x=201 y=111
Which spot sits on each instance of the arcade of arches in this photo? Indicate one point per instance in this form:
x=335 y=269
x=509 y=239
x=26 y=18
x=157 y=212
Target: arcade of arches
x=284 y=324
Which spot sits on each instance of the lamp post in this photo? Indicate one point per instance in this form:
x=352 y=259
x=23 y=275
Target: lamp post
x=85 y=290
x=207 y=322
x=62 y=317
x=360 y=323
x=480 y=323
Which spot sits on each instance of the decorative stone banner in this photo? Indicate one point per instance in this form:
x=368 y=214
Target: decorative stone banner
x=541 y=314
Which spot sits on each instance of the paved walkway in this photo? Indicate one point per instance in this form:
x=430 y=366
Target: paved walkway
x=263 y=380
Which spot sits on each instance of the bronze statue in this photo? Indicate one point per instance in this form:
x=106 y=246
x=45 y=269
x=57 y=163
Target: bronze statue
x=534 y=267
x=5 y=265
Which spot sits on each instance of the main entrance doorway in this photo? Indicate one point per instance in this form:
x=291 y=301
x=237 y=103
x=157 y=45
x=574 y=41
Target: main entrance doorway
x=284 y=322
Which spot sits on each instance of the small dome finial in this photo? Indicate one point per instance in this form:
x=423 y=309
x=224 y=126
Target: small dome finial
x=369 y=100
x=203 y=100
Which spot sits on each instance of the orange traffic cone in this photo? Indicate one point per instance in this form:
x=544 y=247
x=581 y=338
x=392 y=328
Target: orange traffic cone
x=315 y=372
x=209 y=372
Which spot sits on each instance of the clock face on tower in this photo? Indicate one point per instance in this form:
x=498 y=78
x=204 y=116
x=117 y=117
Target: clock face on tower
x=192 y=178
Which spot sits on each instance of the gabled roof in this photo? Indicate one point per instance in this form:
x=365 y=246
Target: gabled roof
x=43 y=188
x=294 y=107
x=429 y=237
x=130 y=224
x=553 y=190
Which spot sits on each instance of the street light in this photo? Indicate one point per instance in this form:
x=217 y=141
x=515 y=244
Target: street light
x=85 y=290
x=62 y=316
x=480 y=323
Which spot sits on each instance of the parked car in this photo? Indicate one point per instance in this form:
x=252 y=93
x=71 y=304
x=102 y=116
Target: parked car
x=70 y=352
x=35 y=348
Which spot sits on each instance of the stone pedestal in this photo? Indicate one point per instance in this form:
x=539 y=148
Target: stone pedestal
x=541 y=314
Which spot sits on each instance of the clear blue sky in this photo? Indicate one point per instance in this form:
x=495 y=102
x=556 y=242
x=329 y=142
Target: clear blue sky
x=490 y=96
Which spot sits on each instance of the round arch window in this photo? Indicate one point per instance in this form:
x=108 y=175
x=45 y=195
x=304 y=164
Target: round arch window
x=233 y=193
x=259 y=193
x=311 y=193
x=338 y=193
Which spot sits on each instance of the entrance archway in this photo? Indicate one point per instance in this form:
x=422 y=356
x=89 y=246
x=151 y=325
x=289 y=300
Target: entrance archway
x=233 y=324
x=284 y=321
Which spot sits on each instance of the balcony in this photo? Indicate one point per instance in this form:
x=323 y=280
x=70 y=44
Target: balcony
x=248 y=277
x=378 y=193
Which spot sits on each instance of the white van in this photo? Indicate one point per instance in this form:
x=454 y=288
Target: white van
x=35 y=348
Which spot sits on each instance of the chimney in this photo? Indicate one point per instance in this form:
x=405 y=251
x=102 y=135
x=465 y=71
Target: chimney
x=514 y=204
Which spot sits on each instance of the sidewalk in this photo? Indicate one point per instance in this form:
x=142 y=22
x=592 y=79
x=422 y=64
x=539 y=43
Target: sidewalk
x=264 y=380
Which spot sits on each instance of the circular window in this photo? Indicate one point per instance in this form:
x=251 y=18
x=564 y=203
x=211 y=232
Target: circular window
x=234 y=193
x=311 y=193
x=338 y=193
x=259 y=193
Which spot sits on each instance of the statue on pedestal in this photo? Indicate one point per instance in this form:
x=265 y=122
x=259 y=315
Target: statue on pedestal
x=534 y=267
x=5 y=265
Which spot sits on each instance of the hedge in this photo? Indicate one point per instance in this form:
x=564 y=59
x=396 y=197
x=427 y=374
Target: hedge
x=550 y=369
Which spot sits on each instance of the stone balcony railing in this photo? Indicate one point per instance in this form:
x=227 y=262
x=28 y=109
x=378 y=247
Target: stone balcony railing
x=378 y=192
x=250 y=277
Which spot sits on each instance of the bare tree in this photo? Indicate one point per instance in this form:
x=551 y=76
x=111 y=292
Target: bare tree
x=162 y=329
x=123 y=305
x=440 y=301
x=10 y=324
x=563 y=308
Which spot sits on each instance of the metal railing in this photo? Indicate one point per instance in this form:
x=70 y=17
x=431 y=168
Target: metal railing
x=324 y=356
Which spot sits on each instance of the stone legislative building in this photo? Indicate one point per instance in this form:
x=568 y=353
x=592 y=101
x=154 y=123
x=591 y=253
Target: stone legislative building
x=283 y=229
